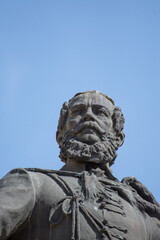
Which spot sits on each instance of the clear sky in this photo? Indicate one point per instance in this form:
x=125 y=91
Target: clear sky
x=51 y=50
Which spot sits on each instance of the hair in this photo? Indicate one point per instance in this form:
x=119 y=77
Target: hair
x=117 y=117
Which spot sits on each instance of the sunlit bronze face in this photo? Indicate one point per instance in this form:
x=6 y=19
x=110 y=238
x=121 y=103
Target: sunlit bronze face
x=89 y=117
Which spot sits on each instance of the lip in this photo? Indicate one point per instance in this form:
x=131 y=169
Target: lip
x=88 y=131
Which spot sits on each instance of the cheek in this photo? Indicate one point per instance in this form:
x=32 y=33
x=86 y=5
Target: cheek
x=107 y=124
x=72 y=122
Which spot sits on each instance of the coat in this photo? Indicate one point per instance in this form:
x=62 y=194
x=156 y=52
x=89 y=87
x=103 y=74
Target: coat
x=38 y=204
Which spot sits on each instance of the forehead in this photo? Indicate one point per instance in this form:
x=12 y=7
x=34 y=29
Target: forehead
x=91 y=99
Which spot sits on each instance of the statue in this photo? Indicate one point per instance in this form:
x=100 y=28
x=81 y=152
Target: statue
x=83 y=200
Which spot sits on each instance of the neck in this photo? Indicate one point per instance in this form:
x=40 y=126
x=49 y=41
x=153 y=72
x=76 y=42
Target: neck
x=73 y=166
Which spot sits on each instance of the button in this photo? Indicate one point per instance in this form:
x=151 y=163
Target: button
x=103 y=204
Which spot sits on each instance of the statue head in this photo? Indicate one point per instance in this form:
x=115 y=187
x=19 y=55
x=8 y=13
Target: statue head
x=90 y=129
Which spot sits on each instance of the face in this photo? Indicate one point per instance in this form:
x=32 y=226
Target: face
x=89 y=117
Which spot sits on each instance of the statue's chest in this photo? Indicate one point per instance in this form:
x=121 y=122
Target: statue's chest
x=93 y=210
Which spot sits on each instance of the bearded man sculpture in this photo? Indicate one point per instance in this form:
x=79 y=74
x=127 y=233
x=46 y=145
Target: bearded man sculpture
x=83 y=200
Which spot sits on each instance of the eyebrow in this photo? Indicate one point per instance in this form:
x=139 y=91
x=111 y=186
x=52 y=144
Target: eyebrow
x=98 y=105
x=77 y=105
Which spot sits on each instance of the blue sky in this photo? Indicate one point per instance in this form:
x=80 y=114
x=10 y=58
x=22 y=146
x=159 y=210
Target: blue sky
x=51 y=50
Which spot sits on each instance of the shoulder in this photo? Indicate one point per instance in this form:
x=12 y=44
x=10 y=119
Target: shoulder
x=140 y=189
x=46 y=185
x=17 y=184
x=16 y=178
x=143 y=198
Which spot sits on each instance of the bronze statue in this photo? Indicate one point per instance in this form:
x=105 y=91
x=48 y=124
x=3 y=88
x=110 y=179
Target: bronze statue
x=83 y=200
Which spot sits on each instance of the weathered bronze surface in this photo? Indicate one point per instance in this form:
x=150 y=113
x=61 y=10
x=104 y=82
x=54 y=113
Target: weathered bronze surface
x=82 y=201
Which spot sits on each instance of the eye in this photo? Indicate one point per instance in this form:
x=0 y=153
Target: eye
x=101 y=112
x=78 y=111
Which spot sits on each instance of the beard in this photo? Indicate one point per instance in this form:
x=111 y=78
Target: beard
x=102 y=152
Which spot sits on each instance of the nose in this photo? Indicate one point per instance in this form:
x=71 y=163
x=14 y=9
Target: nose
x=88 y=116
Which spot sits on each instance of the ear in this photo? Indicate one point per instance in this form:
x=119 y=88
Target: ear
x=61 y=123
x=120 y=139
x=118 y=124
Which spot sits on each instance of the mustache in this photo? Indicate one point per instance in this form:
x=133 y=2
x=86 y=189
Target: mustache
x=91 y=125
